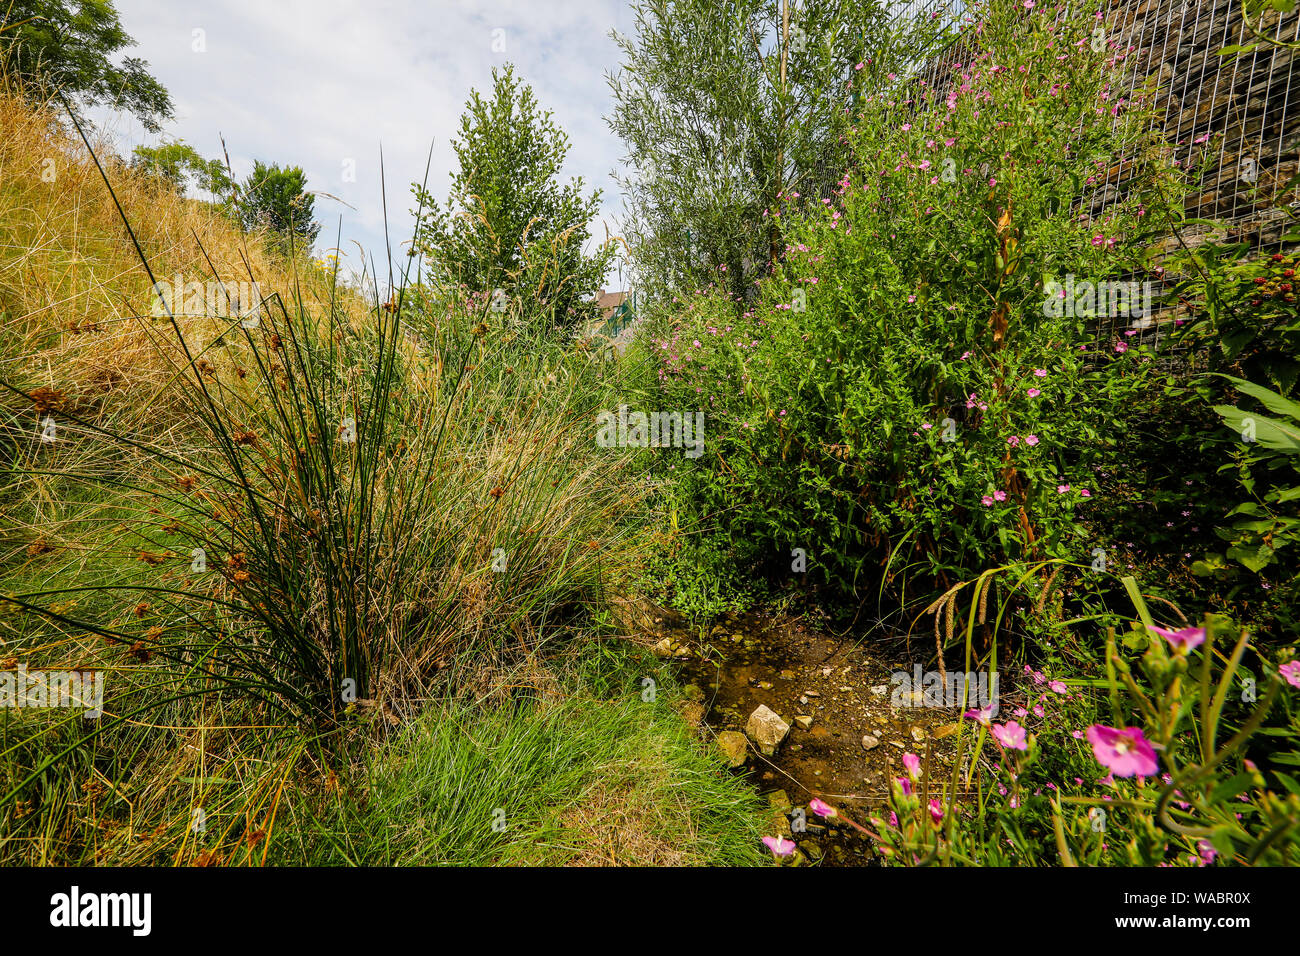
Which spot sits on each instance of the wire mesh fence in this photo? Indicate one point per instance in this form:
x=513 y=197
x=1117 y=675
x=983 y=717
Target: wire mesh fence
x=1240 y=107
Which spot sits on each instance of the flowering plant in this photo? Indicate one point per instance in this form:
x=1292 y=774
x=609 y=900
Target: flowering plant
x=1193 y=770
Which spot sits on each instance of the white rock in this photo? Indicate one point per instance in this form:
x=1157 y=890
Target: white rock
x=766 y=729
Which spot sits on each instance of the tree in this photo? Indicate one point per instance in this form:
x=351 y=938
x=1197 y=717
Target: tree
x=509 y=224
x=67 y=45
x=181 y=165
x=728 y=110
x=276 y=198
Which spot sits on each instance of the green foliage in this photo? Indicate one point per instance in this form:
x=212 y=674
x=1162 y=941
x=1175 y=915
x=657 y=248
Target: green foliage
x=541 y=783
x=1247 y=328
x=69 y=45
x=275 y=197
x=1221 y=789
x=509 y=224
x=729 y=112
x=909 y=391
x=1247 y=323
x=1262 y=532
x=180 y=165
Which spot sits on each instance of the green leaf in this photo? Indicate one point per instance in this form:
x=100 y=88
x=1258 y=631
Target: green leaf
x=1253 y=558
x=1269 y=432
x=1271 y=400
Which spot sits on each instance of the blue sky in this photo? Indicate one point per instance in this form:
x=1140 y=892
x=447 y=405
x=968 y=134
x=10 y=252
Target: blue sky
x=324 y=83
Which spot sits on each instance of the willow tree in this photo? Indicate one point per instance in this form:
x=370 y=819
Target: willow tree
x=728 y=110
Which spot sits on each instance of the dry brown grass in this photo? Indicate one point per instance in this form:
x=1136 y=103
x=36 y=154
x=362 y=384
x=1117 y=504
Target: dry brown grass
x=75 y=304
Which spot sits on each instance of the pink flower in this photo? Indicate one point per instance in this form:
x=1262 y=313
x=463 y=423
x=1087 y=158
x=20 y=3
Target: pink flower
x=1029 y=4
x=1121 y=347
x=1013 y=441
x=999 y=496
x=820 y=808
x=982 y=716
x=1034 y=393
x=1204 y=848
x=1062 y=489
x=1040 y=373
x=905 y=785
x=1031 y=440
x=779 y=845
x=1183 y=640
x=1058 y=687
x=912 y=764
x=1085 y=492
x=1124 y=752
x=936 y=811
x=1291 y=673
x=986 y=501
x=1010 y=735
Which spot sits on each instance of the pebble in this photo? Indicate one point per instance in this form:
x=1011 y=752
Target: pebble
x=870 y=743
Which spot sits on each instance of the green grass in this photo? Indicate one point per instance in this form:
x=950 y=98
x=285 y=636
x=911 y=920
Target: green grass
x=570 y=780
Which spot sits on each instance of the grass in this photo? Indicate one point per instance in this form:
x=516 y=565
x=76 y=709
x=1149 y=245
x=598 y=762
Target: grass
x=565 y=780
x=347 y=570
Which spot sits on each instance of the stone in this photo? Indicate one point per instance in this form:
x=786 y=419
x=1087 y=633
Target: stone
x=693 y=692
x=804 y=721
x=735 y=746
x=766 y=728
x=869 y=742
x=664 y=648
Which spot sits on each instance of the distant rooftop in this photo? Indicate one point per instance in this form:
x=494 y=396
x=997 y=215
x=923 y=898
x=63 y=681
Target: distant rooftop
x=607 y=302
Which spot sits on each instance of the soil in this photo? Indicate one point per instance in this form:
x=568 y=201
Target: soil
x=844 y=685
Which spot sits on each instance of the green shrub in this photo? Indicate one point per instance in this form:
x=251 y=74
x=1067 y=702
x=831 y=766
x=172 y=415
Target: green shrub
x=910 y=391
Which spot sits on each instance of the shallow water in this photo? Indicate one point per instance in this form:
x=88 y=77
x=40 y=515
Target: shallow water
x=844 y=685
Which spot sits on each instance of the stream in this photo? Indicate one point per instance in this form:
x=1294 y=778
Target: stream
x=848 y=731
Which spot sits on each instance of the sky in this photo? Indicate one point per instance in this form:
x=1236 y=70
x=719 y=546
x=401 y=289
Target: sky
x=324 y=84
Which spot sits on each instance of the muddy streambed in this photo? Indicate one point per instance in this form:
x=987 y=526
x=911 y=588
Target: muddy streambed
x=848 y=729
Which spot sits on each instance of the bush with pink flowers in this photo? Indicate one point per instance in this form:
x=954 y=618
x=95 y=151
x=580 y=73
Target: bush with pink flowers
x=905 y=389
